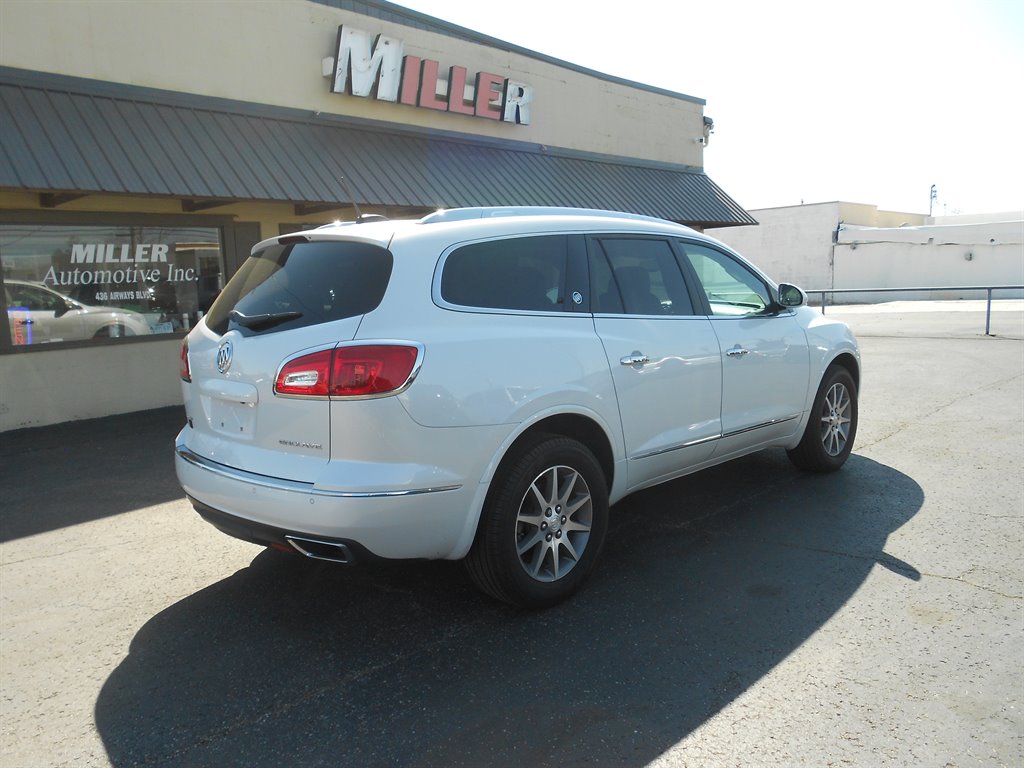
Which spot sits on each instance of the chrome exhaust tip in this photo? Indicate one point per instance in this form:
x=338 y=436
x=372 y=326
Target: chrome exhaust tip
x=330 y=551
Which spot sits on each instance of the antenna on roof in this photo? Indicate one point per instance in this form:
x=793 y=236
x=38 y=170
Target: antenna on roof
x=361 y=218
x=351 y=197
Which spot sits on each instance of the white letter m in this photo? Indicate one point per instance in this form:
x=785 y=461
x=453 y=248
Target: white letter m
x=354 y=53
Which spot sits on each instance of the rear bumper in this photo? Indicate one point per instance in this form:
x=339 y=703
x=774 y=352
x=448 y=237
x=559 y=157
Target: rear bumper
x=426 y=522
x=349 y=552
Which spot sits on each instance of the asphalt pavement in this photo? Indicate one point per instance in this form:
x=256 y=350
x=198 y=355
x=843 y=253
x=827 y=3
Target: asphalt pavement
x=750 y=615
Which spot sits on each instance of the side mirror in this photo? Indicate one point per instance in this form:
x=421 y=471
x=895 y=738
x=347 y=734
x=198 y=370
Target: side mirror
x=791 y=296
x=63 y=309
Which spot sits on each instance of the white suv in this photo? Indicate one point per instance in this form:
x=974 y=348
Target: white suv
x=483 y=383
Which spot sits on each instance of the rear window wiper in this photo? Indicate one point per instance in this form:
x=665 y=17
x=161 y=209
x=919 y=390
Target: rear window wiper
x=262 y=322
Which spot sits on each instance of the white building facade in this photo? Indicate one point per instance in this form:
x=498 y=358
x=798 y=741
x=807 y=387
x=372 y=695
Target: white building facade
x=847 y=245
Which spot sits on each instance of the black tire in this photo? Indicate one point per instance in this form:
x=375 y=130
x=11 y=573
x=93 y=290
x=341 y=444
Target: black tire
x=535 y=554
x=831 y=426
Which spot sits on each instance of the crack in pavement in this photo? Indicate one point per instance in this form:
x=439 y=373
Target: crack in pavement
x=886 y=561
x=903 y=425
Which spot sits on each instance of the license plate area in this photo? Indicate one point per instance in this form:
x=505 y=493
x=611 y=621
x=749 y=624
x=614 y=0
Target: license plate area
x=232 y=419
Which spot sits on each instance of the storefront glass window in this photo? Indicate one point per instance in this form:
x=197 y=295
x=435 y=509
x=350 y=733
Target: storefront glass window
x=69 y=283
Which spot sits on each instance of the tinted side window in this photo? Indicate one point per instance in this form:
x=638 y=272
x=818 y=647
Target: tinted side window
x=732 y=289
x=638 y=277
x=526 y=273
x=35 y=299
x=314 y=282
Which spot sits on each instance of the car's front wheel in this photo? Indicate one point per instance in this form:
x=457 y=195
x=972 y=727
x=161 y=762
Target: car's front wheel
x=543 y=524
x=832 y=425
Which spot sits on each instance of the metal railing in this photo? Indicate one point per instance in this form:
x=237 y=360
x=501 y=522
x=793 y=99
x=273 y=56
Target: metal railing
x=987 y=288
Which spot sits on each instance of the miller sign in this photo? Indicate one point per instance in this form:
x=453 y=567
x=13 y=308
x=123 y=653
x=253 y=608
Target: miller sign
x=361 y=63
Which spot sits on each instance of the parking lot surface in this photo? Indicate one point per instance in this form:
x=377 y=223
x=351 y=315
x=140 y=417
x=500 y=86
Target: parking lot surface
x=750 y=615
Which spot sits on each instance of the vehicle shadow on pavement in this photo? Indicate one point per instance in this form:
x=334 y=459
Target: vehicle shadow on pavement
x=101 y=462
x=706 y=584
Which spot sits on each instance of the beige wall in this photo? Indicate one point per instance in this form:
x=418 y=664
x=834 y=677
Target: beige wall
x=870 y=216
x=50 y=387
x=270 y=52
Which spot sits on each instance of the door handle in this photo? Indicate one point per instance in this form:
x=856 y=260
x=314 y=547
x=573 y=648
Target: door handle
x=25 y=322
x=636 y=358
x=737 y=351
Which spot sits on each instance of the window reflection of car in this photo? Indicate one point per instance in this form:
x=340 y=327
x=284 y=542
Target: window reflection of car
x=38 y=314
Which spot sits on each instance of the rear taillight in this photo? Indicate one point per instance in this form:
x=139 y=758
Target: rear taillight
x=183 y=369
x=308 y=375
x=370 y=370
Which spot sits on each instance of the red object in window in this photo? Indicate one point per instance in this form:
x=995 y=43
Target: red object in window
x=183 y=369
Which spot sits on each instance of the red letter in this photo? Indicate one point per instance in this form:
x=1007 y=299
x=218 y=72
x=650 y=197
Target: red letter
x=457 y=91
x=488 y=86
x=428 y=87
x=410 y=80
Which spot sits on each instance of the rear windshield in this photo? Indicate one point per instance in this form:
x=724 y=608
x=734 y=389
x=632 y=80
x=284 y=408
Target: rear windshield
x=290 y=286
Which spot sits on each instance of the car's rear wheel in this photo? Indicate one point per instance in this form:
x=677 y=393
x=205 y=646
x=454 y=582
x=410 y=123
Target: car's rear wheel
x=543 y=524
x=832 y=425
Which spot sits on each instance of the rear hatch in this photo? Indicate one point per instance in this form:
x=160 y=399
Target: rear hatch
x=290 y=299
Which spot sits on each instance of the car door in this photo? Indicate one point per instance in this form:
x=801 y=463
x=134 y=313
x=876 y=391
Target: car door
x=31 y=312
x=765 y=359
x=51 y=316
x=664 y=357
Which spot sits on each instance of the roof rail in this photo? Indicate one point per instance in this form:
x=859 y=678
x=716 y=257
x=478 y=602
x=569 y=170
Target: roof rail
x=464 y=214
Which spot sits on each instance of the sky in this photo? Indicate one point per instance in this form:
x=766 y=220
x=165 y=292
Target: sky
x=866 y=102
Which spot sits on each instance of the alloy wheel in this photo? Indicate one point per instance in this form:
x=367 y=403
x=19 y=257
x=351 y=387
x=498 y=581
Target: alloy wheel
x=835 y=419
x=553 y=523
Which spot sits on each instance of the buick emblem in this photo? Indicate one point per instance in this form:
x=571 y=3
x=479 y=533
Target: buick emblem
x=224 y=352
